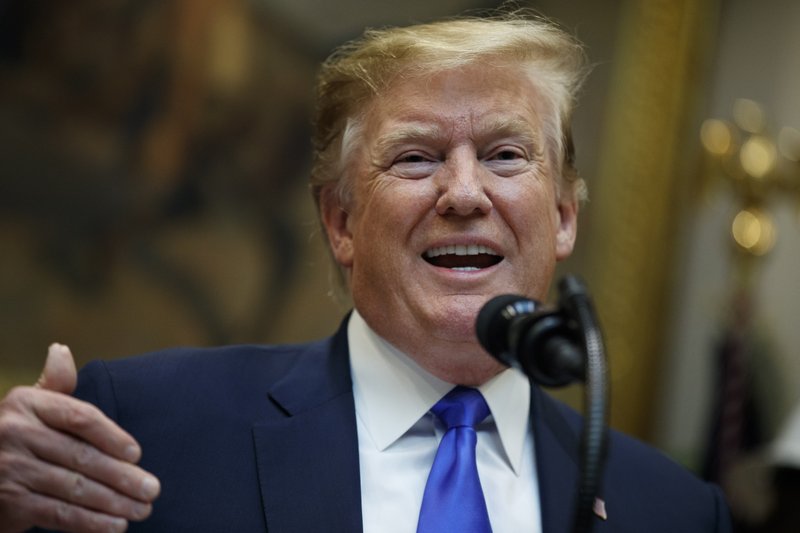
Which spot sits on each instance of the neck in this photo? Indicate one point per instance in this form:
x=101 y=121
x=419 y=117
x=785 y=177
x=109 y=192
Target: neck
x=461 y=362
x=459 y=370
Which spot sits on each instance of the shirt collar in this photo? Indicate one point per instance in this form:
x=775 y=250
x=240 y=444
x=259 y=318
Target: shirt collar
x=392 y=392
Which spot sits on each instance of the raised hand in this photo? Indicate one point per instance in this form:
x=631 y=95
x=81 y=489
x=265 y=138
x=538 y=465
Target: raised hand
x=65 y=465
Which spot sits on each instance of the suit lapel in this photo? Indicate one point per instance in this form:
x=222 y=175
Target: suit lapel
x=557 y=456
x=556 y=463
x=308 y=461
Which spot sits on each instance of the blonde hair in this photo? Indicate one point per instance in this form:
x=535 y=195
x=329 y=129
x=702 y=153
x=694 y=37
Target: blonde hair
x=359 y=70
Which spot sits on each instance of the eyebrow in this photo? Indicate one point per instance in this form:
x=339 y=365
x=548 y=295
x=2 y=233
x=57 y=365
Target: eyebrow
x=408 y=133
x=489 y=128
x=509 y=126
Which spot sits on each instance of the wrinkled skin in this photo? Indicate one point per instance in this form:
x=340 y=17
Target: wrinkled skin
x=457 y=158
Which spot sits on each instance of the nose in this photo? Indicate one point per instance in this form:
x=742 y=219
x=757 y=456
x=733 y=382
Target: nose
x=462 y=190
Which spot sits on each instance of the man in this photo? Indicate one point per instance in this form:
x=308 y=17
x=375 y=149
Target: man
x=443 y=176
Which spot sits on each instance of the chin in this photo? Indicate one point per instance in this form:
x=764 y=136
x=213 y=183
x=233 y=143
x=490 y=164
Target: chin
x=456 y=323
x=474 y=370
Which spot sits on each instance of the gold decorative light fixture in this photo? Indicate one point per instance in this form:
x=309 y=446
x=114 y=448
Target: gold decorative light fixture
x=758 y=166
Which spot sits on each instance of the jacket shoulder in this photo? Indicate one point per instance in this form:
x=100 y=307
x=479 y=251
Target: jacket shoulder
x=160 y=381
x=643 y=489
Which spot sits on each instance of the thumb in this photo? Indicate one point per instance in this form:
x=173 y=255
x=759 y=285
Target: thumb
x=59 y=372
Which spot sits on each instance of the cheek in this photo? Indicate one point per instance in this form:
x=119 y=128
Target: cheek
x=396 y=205
x=384 y=228
x=530 y=209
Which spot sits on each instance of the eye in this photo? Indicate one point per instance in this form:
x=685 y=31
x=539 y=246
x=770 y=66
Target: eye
x=412 y=158
x=506 y=154
x=507 y=160
x=414 y=165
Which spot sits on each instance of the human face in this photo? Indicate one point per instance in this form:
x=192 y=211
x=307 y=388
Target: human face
x=454 y=202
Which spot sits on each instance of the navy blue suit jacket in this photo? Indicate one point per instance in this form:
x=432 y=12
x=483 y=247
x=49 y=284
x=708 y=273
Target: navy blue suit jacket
x=256 y=438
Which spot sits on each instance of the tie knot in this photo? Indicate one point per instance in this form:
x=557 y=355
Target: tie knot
x=461 y=407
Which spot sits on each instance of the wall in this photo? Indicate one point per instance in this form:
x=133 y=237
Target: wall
x=757 y=58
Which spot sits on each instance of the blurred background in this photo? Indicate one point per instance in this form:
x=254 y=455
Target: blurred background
x=153 y=165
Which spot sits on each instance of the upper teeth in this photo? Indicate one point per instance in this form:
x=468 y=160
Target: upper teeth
x=460 y=249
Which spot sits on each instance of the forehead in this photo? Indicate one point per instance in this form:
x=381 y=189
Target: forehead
x=476 y=97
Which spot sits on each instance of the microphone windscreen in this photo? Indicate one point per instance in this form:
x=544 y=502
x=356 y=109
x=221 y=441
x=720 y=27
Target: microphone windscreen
x=494 y=319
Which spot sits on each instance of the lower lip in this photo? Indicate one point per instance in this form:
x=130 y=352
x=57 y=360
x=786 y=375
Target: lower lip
x=464 y=273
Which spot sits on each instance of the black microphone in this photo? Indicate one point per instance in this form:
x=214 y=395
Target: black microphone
x=521 y=333
x=554 y=347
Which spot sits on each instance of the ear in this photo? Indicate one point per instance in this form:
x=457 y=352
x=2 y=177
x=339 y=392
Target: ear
x=567 y=226
x=336 y=220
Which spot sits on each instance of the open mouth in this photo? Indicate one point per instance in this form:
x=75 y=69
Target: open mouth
x=462 y=257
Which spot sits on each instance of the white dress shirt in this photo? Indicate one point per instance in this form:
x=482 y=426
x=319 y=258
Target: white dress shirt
x=398 y=438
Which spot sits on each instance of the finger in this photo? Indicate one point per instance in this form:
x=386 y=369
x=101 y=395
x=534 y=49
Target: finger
x=119 y=477
x=50 y=513
x=72 y=487
x=59 y=372
x=87 y=422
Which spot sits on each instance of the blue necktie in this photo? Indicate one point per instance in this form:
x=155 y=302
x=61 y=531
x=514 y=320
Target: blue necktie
x=453 y=499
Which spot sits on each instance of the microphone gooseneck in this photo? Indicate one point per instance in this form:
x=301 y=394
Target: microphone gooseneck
x=556 y=347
